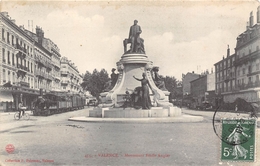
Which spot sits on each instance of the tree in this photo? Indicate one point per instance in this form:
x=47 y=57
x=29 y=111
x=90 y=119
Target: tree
x=95 y=82
x=170 y=83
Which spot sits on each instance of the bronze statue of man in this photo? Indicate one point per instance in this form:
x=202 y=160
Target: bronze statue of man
x=134 y=39
x=134 y=36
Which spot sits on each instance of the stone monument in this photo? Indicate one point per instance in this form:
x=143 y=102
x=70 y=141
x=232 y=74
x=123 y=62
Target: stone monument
x=134 y=62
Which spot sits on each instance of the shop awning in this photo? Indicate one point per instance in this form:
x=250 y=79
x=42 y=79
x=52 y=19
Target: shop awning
x=6 y=97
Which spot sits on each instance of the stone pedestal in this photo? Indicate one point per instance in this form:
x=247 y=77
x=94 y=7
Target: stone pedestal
x=133 y=65
x=154 y=112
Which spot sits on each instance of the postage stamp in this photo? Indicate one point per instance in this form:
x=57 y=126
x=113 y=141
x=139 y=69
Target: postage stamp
x=238 y=140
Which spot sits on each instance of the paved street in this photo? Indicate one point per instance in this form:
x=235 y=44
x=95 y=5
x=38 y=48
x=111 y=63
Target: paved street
x=54 y=140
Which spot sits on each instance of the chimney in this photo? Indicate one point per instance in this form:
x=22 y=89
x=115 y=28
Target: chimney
x=251 y=19
x=258 y=15
x=5 y=14
x=247 y=25
x=13 y=20
x=21 y=27
x=39 y=34
x=228 y=51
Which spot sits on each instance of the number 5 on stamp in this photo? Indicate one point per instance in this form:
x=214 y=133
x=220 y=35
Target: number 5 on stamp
x=238 y=140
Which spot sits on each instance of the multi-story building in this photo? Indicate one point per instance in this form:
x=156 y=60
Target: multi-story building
x=243 y=82
x=247 y=61
x=225 y=74
x=71 y=79
x=186 y=79
x=202 y=87
x=17 y=63
x=47 y=58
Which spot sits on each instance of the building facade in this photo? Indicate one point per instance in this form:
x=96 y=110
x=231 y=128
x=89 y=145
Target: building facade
x=186 y=79
x=47 y=58
x=225 y=74
x=17 y=62
x=71 y=79
x=202 y=87
x=244 y=81
x=30 y=62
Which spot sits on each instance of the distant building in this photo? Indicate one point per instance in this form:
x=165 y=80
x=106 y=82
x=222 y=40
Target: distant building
x=202 y=86
x=71 y=79
x=186 y=79
x=225 y=74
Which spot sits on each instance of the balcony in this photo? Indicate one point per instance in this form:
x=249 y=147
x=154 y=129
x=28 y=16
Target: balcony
x=41 y=74
x=24 y=84
x=48 y=77
x=21 y=70
x=251 y=57
x=56 y=77
x=255 y=84
x=43 y=62
x=64 y=72
x=65 y=82
x=21 y=51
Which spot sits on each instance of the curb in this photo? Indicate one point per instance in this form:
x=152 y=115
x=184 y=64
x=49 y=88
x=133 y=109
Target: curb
x=181 y=119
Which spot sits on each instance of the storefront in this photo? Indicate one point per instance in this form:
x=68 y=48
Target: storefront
x=11 y=96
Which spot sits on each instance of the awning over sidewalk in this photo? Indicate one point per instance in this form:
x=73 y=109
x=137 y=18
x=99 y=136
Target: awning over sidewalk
x=6 y=96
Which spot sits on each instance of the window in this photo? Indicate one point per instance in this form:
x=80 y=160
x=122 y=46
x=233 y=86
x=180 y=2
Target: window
x=257 y=78
x=4 y=76
x=3 y=51
x=12 y=40
x=9 y=76
x=8 y=57
x=14 y=79
x=249 y=79
x=249 y=69
x=13 y=59
x=257 y=66
x=257 y=48
x=8 y=41
x=238 y=72
x=244 y=71
x=3 y=34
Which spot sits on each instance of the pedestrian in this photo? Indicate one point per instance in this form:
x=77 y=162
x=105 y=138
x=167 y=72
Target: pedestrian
x=20 y=109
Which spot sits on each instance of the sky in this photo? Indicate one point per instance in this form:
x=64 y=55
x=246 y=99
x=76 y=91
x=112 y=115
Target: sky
x=179 y=37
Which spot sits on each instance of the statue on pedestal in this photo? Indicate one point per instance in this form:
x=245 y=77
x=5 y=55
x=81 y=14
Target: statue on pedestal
x=146 y=101
x=158 y=80
x=137 y=43
x=112 y=82
x=114 y=77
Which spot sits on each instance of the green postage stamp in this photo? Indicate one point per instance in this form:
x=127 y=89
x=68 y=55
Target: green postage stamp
x=238 y=140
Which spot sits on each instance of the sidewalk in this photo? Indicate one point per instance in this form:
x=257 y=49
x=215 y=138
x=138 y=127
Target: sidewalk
x=210 y=114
